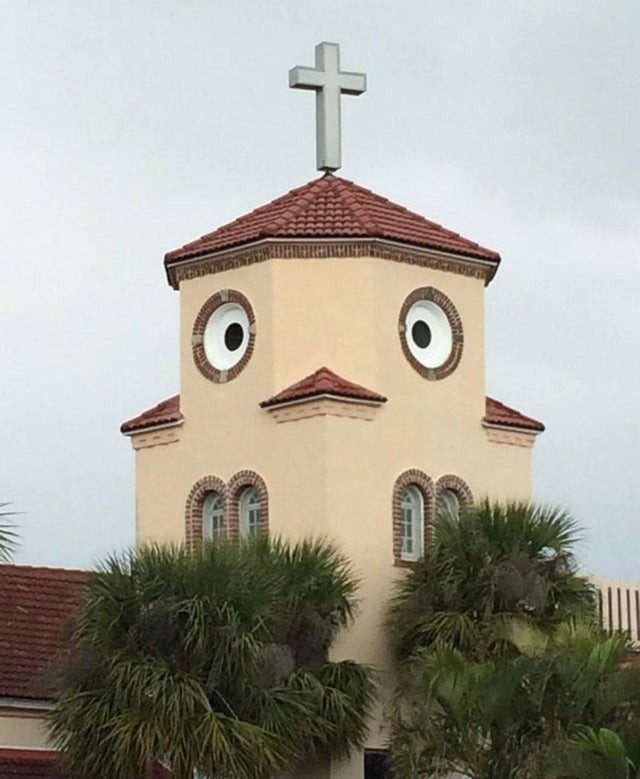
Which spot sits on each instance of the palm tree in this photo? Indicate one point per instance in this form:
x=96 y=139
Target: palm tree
x=493 y=563
x=597 y=753
x=214 y=661
x=8 y=535
x=541 y=711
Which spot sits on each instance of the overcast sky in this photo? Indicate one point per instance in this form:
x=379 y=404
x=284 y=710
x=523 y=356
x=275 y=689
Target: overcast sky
x=132 y=126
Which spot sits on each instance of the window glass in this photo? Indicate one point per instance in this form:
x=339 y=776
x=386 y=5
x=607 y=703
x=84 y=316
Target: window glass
x=412 y=522
x=449 y=502
x=250 y=510
x=376 y=764
x=213 y=517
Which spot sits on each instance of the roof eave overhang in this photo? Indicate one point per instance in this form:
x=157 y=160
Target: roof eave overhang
x=272 y=406
x=272 y=248
x=512 y=428
x=147 y=428
x=32 y=704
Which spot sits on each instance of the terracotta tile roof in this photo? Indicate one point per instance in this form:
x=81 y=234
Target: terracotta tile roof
x=323 y=382
x=46 y=764
x=332 y=207
x=36 y=608
x=497 y=413
x=32 y=764
x=164 y=413
x=326 y=382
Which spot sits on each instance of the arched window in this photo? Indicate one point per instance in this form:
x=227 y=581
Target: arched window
x=449 y=502
x=250 y=512
x=412 y=521
x=213 y=527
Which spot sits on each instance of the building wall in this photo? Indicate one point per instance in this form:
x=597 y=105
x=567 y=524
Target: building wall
x=332 y=475
x=23 y=730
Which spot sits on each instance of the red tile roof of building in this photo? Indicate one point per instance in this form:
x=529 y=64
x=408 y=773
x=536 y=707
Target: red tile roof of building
x=32 y=764
x=46 y=764
x=497 y=413
x=36 y=609
x=319 y=383
x=323 y=382
x=165 y=413
x=332 y=207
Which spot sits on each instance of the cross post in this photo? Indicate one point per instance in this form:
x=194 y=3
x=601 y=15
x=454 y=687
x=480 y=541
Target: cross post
x=329 y=83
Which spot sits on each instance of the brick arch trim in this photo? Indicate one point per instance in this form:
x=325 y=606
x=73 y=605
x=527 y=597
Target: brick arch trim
x=239 y=482
x=195 y=505
x=457 y=485
x=424 y=483
x=199 y=326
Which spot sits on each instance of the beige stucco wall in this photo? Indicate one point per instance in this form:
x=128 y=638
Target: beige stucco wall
x=330 y=475
x=23 y=730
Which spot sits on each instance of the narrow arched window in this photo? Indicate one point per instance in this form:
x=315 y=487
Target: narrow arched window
x=412 y=523
x=449 y=503
x=213 y=527
x=250 y=512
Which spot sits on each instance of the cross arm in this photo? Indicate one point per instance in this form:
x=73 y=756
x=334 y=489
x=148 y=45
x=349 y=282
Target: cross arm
x=306 y=78
x=353 y=83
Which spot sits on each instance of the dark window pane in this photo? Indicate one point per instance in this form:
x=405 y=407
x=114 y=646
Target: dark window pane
x=376 y=764
x=421 y=334
x=233 y=336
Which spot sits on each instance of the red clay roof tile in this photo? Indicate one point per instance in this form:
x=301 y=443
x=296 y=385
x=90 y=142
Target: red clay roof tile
x=164 y=413
x=36 y=609
x=323 y=382
x=332 y=207
x=497 y=413
x=46 y=764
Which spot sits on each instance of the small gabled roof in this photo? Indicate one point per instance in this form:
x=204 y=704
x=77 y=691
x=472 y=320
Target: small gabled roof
x=166 y=412
x=497 y=413
x=326 y=382
x=37 y=606
x=332 y=207
x=320 y=383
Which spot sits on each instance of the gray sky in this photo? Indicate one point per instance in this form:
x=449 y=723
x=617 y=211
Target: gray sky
x=130 y=127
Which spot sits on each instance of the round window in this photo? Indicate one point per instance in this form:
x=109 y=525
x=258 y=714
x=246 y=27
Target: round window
x=223 y=335
x=431 y=333
x=226 y=336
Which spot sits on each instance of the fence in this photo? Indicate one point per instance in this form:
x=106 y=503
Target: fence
x=619 y=607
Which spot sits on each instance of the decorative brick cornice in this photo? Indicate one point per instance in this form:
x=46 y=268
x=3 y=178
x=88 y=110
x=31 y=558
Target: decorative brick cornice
x=269 y=249
x=195 y=505
x=424 y=483
x=220 y=298
x=458 y=486
x=455 y=322
x=238 y=483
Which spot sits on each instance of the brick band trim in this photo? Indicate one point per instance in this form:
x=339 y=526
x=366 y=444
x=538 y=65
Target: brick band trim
x=195 y=505
x=220 y=298
x=238 y=483
x=239 y=257
x=424 y=484
x=457 y=485
x=455 y=322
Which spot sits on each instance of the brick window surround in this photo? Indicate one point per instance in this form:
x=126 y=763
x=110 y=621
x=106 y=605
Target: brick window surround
x=458 y=486
x=220 y=298
x=238 y=483
x=424 y=484
x=455 y=322
x=230 y=493
x=195 y=504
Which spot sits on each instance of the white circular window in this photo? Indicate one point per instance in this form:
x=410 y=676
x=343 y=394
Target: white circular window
x=226 y=336
x=223 y=335
x=431 y=333
x=428 y=333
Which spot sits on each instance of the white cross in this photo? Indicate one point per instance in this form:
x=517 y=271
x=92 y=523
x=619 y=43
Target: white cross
x=329 y=83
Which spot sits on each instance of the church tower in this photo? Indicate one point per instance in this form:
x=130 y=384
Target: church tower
x=332 y=383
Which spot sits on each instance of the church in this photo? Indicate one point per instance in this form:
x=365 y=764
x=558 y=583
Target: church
x=332 y=383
